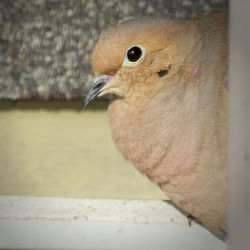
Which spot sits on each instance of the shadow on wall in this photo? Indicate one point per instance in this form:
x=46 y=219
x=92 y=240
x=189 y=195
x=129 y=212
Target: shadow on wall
x=55 y=105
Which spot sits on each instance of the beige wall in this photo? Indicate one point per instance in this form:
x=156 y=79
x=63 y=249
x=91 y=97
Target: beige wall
x=55 y=149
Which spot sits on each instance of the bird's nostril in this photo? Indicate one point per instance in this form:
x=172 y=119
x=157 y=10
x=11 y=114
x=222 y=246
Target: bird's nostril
x=99 y=85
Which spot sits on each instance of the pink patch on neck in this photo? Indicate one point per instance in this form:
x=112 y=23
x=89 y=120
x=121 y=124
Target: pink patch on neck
x=195 y=71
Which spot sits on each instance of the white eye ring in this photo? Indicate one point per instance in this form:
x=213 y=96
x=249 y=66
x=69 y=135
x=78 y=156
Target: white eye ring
x=134 y=54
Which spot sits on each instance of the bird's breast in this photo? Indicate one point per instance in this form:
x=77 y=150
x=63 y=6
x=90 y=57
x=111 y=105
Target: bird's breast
x=149 y=137
x=177 y=148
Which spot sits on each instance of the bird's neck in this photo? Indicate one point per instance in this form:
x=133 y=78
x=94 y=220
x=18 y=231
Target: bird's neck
x=171 y=127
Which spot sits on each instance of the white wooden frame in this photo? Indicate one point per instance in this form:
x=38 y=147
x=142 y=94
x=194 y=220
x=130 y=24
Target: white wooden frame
x=98 y=224
x=239 y=126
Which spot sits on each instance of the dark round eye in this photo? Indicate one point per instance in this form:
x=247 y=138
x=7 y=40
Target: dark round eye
x=134 y=54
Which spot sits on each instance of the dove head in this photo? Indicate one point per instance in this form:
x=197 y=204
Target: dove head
x=133 y=59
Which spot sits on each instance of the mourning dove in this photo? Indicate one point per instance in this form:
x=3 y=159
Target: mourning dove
x=168 y=79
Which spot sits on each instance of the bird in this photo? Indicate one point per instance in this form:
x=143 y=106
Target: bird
x=168 y=111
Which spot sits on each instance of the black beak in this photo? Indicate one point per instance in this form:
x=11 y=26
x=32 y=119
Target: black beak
x=96 y=89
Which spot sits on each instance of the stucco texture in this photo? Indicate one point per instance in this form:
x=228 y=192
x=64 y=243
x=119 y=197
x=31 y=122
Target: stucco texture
x=46 y=46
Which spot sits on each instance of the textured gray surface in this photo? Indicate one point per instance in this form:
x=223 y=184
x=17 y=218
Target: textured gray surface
x=46 y=46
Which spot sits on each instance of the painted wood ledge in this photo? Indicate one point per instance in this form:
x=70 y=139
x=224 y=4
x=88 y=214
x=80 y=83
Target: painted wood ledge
x=67 y=223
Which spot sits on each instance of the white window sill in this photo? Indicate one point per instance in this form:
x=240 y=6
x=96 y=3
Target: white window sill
x=65 y=223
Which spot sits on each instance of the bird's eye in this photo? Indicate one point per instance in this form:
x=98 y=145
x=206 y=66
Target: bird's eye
x=134 y=54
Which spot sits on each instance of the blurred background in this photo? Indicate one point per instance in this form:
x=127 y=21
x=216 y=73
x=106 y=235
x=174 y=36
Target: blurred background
x=48 y=146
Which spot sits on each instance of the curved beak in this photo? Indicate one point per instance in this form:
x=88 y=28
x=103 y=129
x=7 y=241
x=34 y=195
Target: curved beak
x=95 y=89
